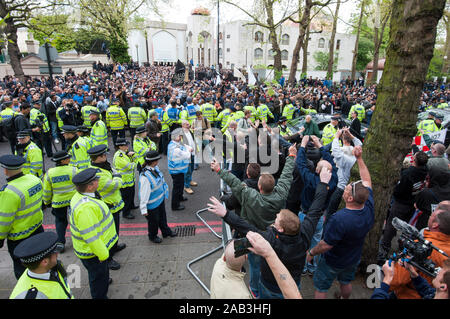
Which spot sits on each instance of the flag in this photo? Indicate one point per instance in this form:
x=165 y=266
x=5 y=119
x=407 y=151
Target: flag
x=251 y=76
x=239 y=74
x=178 y=77
x=218 y=80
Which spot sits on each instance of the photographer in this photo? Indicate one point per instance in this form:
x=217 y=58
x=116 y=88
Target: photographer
x=438 y=233
x=287 y=236
x=71 y=114
x=437 y=290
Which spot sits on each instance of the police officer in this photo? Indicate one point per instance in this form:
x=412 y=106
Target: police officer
x=45 y=277
x=428 y=125
x=330 y=130
x=93 y=231
x=99 y=131
x=189 y=112
x=289 y=110
x=142 y=144
x=31 y=153
x=116 y=120
x=209 y=111
x=58 y=191
x=85 y=112
x=83 y=135
x=20 y=207
x=178 y=158
x=359 y=109
x=124 y=163
x=172 y=116
x=76 y=147
x=109 y=186
x=263 y=111
x=153 y=190
x=8 y=114
x=137 y=117
x=42 y=137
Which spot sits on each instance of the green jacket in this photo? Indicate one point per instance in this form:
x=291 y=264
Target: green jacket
x=259 y=209
x=312 y=128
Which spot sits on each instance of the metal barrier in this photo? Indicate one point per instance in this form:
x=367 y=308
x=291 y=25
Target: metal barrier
x=225 y=237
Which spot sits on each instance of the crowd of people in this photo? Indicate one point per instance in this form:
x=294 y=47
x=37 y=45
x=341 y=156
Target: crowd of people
x=288 y=190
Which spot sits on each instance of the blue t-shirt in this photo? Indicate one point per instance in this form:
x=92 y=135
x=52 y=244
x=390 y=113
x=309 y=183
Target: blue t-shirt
x=346 y=231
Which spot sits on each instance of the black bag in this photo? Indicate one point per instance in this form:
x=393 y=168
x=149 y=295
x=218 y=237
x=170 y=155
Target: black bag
x=9 y=127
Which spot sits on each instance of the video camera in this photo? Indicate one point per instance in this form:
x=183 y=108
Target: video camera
x=416 y=249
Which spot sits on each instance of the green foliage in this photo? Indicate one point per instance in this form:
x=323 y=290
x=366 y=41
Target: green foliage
x=365 y=53
x=321 y=59
x=54 y=27
x=436 y=64
x=119 y=51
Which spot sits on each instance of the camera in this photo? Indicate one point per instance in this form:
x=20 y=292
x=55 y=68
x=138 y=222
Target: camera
x=416 y=249
x=241 y=246
x=70 y=106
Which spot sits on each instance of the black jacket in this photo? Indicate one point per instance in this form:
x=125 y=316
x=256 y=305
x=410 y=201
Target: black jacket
x=291 y=249
x=412 y=181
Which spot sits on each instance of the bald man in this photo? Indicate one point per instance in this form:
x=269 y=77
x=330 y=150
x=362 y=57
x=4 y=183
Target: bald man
x=227 y=280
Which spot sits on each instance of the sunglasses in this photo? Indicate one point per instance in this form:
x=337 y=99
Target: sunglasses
x=354 y=187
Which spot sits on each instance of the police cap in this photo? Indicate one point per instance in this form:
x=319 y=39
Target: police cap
x=151 y=156
x=68 y=129
x=98 y=150
x=85 y=176
x=37 y=247
x=140 y=129
x=335 y=118
x=12 y=162
x=282 y=119
x=83 y=128
x=121 y=141
x=439 y=117
x=94 y=111
x=59 y=156
x=23 y=134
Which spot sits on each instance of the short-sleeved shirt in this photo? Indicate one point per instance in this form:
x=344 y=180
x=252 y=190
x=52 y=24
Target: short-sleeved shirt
x=346 y=231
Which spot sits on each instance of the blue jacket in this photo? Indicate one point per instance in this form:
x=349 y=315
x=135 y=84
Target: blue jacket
x=311 y=179
x=420 y=284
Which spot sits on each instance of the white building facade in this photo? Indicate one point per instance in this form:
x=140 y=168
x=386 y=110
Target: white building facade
x=239 y=45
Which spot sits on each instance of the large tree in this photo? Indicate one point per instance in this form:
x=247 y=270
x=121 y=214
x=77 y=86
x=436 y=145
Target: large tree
x=270 y=15
x=358 y=31
x=333 y=36
x=412 y=39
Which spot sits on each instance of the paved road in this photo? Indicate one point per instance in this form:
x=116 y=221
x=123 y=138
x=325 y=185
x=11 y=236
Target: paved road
x=148 y=270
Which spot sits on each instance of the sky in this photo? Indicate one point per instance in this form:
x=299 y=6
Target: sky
x=179 y=10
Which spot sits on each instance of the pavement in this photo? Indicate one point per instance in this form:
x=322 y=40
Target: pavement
x=157 y=271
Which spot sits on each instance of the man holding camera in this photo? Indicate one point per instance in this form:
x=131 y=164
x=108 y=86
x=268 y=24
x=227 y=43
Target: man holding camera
x=70 y=114
x=438 y=233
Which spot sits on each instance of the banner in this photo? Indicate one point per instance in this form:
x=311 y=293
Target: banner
x=420 y=141
x=179 y=76
x=251 y=76
x=239 y=74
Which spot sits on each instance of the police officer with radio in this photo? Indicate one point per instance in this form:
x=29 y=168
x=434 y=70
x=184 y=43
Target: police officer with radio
x=20 y=207
x=59 y=190
x=153 y=191
x=45 y=277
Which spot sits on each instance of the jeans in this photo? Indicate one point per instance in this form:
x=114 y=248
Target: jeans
x=188 y=174
x=254 y=262
x=54 y=129
x=314 y=241
x=61 y=223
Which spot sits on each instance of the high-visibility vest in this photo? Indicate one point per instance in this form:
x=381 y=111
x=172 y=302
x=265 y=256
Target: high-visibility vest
x=359 y=109
x=20 y=207
x=165 y=122
x=175 y=163
x=289 y=111
x=209 y=111
x=34 y=114
x=136 y=116
x=142 y=146
x=230 y=153
x=263 y=112
x=7 y=113
x=159 y=187
x=285 y=131
x=79 y=156
x=442 y=105
x=189 y=114
x=308 y=111
x=58 y=186
x=223 y=117
x=253 y=111
x=85 y=111
x=328 y=134
x=28 y=287
x=92 y=227
x=109 y=189
x=99 y=134
x=115 y=118
x=428 y=126
x=34 y=162
x=235 y=116
x=173 y=115
x=125 y=166
x=58 y=118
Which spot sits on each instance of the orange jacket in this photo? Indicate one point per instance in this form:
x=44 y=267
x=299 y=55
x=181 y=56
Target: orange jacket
x=402 y=285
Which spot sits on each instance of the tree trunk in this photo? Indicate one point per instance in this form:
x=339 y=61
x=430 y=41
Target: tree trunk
x=333 y=36
x=446 y=64
x=376 y=55
x=13 y=49
x=412 y=39
x=277 y=65
x=305 y=53
x=303 y=27
x=355 y=51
